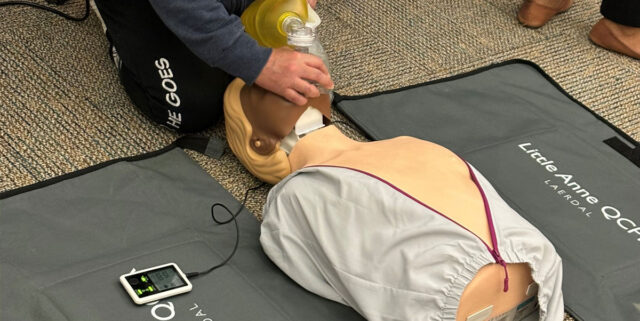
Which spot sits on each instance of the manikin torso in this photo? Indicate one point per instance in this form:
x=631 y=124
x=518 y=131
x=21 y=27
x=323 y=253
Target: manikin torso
x=435 y=176
x=428 y=172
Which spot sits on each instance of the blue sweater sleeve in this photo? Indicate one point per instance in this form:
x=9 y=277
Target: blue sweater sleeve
x=214 y=35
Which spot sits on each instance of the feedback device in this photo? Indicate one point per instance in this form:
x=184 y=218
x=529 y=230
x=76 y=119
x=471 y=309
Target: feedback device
x=167 y=280
x=155 y=283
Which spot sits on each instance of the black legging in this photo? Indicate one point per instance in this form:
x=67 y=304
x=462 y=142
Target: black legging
x=624 y=12
x=163 y=78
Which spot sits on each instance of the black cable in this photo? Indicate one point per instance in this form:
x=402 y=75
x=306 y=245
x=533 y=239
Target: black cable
x=49 y=9
x=193 y=275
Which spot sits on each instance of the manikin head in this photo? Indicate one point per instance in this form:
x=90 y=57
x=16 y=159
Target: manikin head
x=261 y=127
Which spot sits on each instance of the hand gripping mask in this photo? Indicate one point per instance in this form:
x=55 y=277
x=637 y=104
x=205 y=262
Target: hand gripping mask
x=256 y=122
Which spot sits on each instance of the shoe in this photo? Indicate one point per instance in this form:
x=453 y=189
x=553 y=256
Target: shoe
x=113 y=55
x=535 y=13
x=616 y=37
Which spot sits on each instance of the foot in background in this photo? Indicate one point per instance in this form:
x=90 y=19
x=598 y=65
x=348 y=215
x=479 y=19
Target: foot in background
x=616 y=37
x=535 y=13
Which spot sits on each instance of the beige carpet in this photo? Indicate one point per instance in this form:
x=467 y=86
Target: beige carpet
x=63 y=109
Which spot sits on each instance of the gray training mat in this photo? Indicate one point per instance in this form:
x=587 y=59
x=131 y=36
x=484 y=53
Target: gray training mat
x=63 y=247
x=571 y=174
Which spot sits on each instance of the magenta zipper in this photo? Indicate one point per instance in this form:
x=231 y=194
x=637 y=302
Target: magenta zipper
x=495 y=253
x=494 y=239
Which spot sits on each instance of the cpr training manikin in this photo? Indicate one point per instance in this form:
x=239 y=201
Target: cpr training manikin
x=399 y=229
